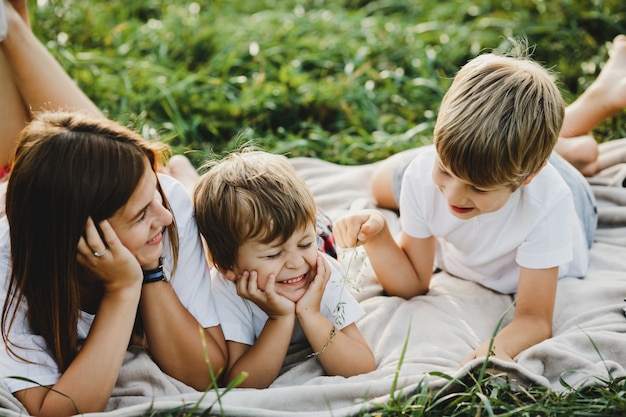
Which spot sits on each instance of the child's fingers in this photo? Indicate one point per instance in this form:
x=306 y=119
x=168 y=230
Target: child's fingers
x=270 y=286
x=346 y=230
x=242 y=284
x=371 y=226
x=250 y=286
x=357 y=228
x=323 y=271
x=253 y=283
x=322 y=275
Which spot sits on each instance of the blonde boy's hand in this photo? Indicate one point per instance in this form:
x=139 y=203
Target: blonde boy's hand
x=357 y=228
x=273 y=304
x=312 y=298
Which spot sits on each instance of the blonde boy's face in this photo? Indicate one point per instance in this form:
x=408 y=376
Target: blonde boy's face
x=465 y=200
x=292 y=262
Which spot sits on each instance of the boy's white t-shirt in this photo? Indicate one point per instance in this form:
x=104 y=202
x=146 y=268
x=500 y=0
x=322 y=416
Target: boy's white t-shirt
x=191 y=282
x=537 y=228
x=242 y=320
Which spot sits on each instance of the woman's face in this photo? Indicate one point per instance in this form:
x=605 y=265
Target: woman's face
x=140 y=223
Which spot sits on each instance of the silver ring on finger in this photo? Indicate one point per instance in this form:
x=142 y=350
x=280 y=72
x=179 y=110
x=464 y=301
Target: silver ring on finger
x=100 y=253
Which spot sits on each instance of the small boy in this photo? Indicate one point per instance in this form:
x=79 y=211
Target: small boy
x=272 y=286
x=484 y=204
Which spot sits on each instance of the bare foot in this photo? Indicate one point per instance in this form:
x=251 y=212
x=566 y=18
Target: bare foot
x=180 y=167
x=604 y=98
x=610 y=85
x=581 y=151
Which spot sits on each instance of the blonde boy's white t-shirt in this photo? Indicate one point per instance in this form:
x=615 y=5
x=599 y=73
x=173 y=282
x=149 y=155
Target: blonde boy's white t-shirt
x=537 y=228
x=191 y=282
x=242 y=320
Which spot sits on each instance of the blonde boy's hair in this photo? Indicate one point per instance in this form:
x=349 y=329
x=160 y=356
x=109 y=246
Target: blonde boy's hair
x=499 y=121
x=250 y=195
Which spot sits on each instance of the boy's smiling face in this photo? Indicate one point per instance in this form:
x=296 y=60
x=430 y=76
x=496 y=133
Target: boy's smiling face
x=293 y=262
x=465 y=200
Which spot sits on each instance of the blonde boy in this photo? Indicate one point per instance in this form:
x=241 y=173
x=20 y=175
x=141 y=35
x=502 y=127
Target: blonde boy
x=484 y=203
x=272 y=286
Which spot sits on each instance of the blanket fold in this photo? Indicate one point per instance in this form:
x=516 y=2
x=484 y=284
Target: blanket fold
x=439 y=328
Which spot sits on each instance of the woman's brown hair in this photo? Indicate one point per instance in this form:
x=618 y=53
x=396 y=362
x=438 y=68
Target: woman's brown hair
x=67 y=167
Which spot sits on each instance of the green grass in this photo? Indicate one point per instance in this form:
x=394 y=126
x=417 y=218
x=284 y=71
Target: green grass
x=350 y=81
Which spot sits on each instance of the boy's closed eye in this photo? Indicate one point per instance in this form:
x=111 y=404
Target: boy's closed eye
x=479 y=191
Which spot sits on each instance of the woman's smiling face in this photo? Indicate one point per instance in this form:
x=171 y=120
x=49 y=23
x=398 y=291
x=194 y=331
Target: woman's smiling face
x=139 y=224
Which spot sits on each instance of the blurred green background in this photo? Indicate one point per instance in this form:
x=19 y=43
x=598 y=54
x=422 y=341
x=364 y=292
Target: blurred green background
x=349 y=81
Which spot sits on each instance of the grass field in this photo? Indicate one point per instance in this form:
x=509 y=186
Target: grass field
x=349 y=81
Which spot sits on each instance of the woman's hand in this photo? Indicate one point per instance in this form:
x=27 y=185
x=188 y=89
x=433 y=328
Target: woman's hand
x=106 y=258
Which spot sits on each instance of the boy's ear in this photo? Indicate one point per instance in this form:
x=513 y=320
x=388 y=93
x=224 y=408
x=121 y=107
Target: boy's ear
x=530 y=178
x=229 y=274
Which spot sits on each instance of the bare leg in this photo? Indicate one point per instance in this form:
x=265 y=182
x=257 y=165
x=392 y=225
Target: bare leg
x=14 y=115
x=21 y=7
x=32 y=79
x=12 y=107
x=180 y=167
x=381 y=183
x=603 y=99
x=42 y=82
x=611 y=153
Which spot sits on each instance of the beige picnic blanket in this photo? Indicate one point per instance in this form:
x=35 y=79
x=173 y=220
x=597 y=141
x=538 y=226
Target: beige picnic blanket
x=588 y=345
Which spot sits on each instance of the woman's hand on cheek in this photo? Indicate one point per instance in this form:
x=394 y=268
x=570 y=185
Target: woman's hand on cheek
x=106 y=258
x=272 y=303
x=312 y=298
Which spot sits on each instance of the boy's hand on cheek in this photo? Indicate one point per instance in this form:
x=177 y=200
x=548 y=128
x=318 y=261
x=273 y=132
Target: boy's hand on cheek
x=273 y=304
x=312 y=298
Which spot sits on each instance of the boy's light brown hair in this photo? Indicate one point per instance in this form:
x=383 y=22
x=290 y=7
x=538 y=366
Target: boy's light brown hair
x=250 y=194
x=499 y=121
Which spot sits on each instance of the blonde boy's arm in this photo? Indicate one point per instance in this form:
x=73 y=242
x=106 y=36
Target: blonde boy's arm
x=532 y=322
x=263 y=360
x=341 y=352
x=403 y=268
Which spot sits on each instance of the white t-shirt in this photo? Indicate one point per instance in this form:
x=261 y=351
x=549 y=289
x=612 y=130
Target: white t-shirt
x=191 y=282
x=537 y=228
x=242 y=320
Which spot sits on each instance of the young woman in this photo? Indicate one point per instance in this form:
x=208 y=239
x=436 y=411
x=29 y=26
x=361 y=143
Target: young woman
x=96 y=249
